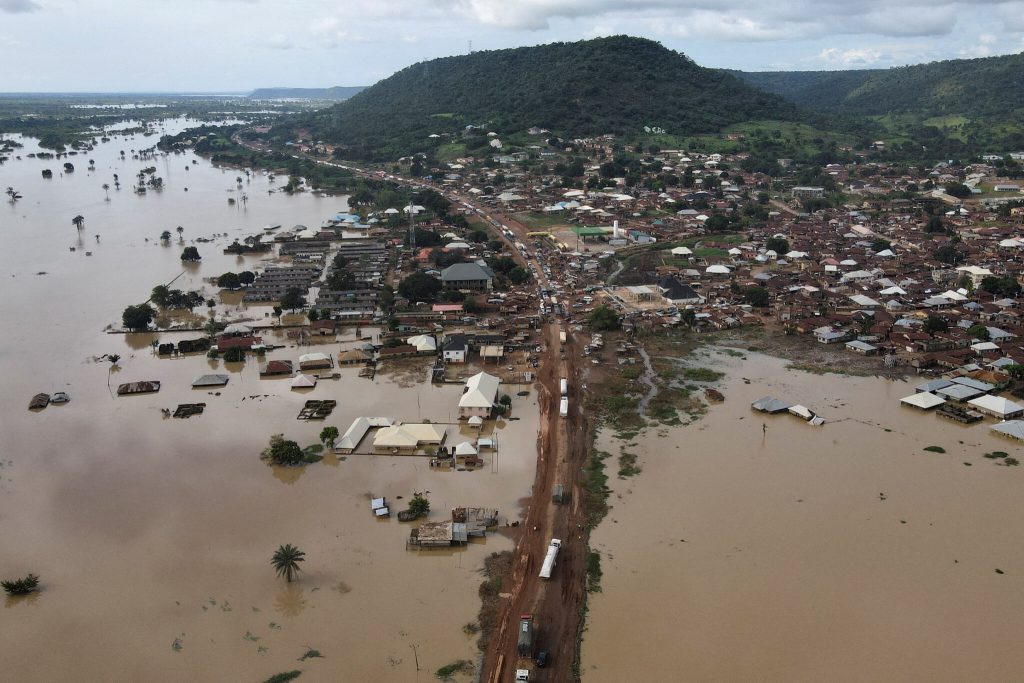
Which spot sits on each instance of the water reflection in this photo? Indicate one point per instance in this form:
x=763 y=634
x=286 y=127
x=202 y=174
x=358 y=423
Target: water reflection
x=290 y=600
x=15 y=600
x=287 y=475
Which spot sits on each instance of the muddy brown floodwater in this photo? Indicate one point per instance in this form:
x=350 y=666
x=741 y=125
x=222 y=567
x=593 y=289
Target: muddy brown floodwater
x=835 y=553
x=152 y=535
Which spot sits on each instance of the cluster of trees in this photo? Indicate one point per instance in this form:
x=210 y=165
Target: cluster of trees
x=235 y=280
x=1001 y=286
x=138 y=317
x=340 y=278
x=190 y=254
x=419 y=287
x=283 y=452
x=505 y=268
x=604 y=318
x=165 y=297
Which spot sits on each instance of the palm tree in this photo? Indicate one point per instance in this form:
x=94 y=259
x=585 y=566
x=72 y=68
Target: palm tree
x=286 y=561
x=78 y=221
x=106 y=190
x=180 y=231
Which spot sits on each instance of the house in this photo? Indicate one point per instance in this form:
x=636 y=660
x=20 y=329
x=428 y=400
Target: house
x=455 y=349
x=807 y=192
x=311 y=361
x=354 y=357
x=467 y=276
x=407 y=438
x=678 y=294
x=480 y=393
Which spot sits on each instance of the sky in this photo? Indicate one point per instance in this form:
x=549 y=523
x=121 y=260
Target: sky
x=237 y=45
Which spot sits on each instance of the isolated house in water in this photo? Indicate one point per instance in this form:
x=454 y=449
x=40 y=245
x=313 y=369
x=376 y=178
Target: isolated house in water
x=478 y=399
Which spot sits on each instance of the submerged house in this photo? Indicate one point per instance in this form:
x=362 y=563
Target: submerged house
x=480 y=393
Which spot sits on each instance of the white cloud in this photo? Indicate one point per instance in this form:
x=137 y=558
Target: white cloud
x=18 y=6
x=9 y=41
x=853 y=58
x=739 y=20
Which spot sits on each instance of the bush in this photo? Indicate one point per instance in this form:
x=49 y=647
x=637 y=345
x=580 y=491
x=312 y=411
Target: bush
x=23 y=586
x=235 y=354
x=419 y=505
x=283 y=452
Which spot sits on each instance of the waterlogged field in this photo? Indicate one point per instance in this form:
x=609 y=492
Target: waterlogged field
x=761 y=548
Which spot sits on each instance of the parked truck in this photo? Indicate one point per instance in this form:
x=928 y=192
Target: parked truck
x=561 y=336
x=526 y=635
x=550 y=558
x=563 y=384
x=563 y=407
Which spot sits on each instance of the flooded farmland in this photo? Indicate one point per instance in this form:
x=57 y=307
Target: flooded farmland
x=786 y=552
x=153 y=535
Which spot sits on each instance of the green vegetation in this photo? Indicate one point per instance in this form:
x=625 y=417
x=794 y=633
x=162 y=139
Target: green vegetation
x=419 y=506
x=283 y=677
x=419 y=287
x=190 y=254
x=935 y=449
x=603 y=318
x=950 y=107
x=328 y=435
x=571 y=88
x=702 y=374
x=445 y=673
x=22 y=586
x=137 y=318
x=310 y=653
x=286 y=560
x=628 y=465
x=282 y=452
x=594 y=572
x=595 y=489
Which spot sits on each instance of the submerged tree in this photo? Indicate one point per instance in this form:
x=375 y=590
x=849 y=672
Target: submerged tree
x=286 y=561
x=23 y=586
x=78 y=221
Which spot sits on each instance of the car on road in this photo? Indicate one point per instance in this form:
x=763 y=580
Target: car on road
x=542 y=659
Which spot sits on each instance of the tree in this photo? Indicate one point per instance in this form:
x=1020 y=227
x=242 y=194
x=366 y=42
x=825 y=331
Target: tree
x=934 y=324
x=717 y=223
x=604 y=318
x=880 y=245
x=778 y=245
x=286 y=560
x=113 y=358
x=419 y=505
x=1004 y=286
x=756 y=296
x=293 y=299
x=283 y=452
x=78 y=221
x=247 y=277
x=190 y=254
x=229 y=281
x=979 y=331
x=419 y=287
x=165 y=236
x=935 y=225
x=948 y=254
x=235 y=354
x=106 y=190
x=138 y=317
x=160 y=295
x=958 y=190
x=328 y=435
x=340 y=280
x=23 y=586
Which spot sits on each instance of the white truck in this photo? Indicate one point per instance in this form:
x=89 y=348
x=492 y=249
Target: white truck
x=563 y=407
x=522 y=675
x=563 y=385
x=561 y=336
x=549 y=559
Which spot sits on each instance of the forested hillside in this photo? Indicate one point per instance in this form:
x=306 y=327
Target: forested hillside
x=608 y=85
x=337 y=92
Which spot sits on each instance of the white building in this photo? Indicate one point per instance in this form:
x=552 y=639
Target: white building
x=480 y=394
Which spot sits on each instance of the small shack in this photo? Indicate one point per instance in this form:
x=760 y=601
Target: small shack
x=924 y=400
x=211 y=381
x=145 y=387
x=770 y=405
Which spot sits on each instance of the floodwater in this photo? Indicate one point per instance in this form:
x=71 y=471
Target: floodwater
x=798 y=553
x=152 y=535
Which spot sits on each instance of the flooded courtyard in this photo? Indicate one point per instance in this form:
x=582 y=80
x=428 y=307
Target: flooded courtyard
x=757 y=547
x=153 y=535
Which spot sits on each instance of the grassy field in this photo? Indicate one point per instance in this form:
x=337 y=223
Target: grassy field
x=541 y=221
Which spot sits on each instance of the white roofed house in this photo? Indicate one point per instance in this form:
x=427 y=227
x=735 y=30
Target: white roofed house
x=976 y=273
x=479 y=396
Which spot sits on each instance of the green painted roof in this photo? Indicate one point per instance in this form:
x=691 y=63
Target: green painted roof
x=589 y=232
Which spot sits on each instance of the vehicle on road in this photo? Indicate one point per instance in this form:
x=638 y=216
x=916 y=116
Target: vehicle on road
x=525 y=642
x=550 y=558
x=542 y=659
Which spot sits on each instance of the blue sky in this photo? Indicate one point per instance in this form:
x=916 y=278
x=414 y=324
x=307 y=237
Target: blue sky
x=233 y=45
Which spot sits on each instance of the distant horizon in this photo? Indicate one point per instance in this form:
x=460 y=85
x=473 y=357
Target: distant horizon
x=244 y=92
x=224 y=46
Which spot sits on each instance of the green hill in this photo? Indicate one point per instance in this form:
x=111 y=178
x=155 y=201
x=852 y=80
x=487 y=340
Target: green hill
x=609 y=85
x=337 y=92
x=978 y=102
